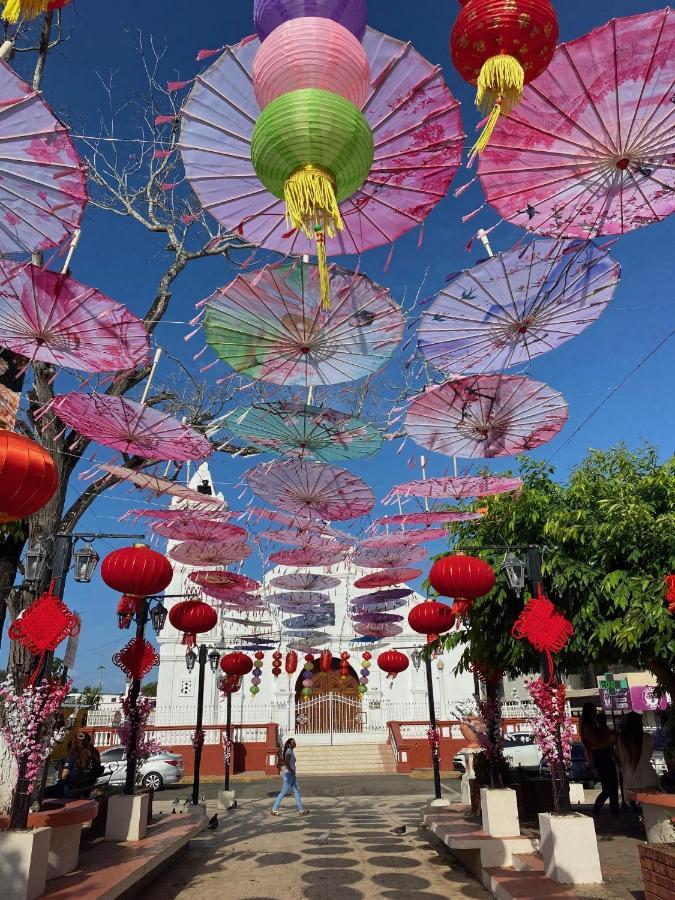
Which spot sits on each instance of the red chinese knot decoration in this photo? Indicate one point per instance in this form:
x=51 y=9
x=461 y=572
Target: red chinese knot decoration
x=28 y=477
x=670 y=593
x=393 y=662
x=460 y=575
x=136 y=658
x=500 y=46
x=431 y=618
x=193 y=617
x=236 y=664
x=544 y=627
x=43 y=625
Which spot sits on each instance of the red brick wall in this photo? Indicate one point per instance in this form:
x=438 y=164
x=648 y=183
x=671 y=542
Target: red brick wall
x=658 y=870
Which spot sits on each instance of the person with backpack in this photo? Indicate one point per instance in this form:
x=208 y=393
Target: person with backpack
x=290 y=781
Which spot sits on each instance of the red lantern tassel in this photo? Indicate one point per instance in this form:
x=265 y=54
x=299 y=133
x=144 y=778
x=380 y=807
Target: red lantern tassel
x=499 y=88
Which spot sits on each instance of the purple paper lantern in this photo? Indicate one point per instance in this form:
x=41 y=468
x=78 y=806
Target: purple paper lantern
x=269 y=14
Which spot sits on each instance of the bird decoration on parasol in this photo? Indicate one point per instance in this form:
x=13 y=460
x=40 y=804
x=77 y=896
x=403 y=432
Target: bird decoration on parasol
x=51 y=318
x=589 y=150
x=517 y=305
x=482 y=416
x=269 y=325
x=312 y=165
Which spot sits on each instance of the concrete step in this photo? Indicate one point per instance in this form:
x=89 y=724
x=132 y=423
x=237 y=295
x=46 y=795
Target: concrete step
x=345 y=759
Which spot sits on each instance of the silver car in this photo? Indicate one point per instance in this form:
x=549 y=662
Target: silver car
x=156 y=772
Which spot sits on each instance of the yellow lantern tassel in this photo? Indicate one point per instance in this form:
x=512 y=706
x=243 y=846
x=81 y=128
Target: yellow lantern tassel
x=24 y=9
x=499 y=88
x=310 y=201
x=322 y=262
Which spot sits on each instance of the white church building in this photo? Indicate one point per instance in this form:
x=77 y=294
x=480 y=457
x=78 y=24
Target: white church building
x=336 y=712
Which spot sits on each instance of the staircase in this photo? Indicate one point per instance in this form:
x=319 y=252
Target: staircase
x=345 y=759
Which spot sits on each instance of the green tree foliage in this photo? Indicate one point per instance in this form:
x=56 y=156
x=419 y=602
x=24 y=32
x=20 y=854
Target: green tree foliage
x=608 y=537
x=149 y=689
x=90 y=697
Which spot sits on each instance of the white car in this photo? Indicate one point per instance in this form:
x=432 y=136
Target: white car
x=156 y=772
x=519 y=749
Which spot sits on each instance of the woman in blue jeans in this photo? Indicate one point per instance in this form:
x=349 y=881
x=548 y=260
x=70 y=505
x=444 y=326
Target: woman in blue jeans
x=290 y=782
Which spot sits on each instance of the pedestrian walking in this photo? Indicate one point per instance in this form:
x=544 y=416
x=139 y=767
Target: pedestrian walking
x=599 y=743
x=290 y=781
x=635 y=752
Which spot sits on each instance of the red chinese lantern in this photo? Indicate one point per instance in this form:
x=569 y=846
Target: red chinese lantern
x=277 y=656
x=431 y=618
x=236 y=664
x=291 y=663
x=326 y=661
x=393 y=662
x=500 y=46
x=193 y=617
x=461 y=608
x=670 y=593
x=28 y=477
x=229 y=684
x=461 y=576
x=344 y=665
x=135 y=572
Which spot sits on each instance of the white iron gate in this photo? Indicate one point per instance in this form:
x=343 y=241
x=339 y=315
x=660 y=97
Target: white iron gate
x=331 y=715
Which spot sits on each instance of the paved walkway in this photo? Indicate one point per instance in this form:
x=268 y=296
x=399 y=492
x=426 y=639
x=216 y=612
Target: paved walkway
x=344 y=849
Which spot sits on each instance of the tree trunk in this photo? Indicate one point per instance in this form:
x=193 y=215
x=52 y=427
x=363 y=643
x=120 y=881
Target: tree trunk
x=8 y=777
x=10 y=554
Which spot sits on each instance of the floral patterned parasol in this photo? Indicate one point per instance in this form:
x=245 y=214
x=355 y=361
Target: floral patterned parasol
x=305 y=581
x=199 y=529
x=465 y=487
x=308 y=556
x=387 y=577
x=427 y=518
x=204 y=553
x=391 y=557
x=410 y=538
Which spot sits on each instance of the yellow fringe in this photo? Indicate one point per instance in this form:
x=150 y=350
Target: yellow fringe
x=324 y=274
x=24 y=9
x=501 y=80
x=310 y=201
x=486 y=133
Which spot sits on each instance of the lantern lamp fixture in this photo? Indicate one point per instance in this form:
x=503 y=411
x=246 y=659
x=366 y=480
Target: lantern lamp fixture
x=158 y=615
x=35 y=561
x=214 y=659
x=416 y=658
x=86 y=560
x=190 y=659
x=514 y=569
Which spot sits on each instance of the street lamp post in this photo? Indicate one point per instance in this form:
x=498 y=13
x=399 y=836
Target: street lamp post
x=201 y=657
x=228 y=740
x=435 y=755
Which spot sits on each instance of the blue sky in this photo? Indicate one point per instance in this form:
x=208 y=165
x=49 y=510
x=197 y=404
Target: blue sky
x=124 y=261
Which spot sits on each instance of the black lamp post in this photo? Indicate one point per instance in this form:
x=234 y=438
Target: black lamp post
x=435 y=756
x=201 y=657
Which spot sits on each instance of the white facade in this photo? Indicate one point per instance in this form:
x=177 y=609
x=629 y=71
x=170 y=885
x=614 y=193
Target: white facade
x=404 y=699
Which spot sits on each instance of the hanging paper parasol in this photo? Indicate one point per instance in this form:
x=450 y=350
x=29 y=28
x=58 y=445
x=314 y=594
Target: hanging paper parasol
x=387 y=577
x=378 y=631
x=305 y=581
x=255 y=513
x=234 y=599
x=180 y=515
x=305 y=540
x=298 y=598
x=129 y=427
x=226 y=580
x=417 y=132
x=311 y=489
x=42 y=181
x=393 y=557
x=406 y=538
x=309 y=620
x=158 y=485
x=463 y=488
x=427 y=518
x=270 y=325
x=199 y=530
x=391 y=595
x=308 y=557
x=384 y=606
x=201 y=553
x=486 y=415
x=297 y=428
x=376 y=618
x=590 y=149
x=517 y=305
x=54 y=319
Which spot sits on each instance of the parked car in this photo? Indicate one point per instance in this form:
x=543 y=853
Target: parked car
x=156 y=772
x=579 y=768
x=519 y=750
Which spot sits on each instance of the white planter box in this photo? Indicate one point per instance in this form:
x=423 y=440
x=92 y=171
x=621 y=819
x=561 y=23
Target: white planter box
x=569 y=848
x=499 y=809
x=577 y=792
x=64 y=850
x=127 y=817
x=23 y=863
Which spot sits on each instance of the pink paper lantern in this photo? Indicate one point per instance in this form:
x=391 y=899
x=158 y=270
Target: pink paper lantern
x=311 y=53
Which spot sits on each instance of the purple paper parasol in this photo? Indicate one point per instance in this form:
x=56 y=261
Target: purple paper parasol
x=378 y=631
x=382 y=596
x=129 y=427
x=305 y=581
x=376 y=618
x=486 y=415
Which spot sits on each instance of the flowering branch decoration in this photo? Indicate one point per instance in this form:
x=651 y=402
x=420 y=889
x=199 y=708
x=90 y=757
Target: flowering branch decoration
x=145 y=746
x=198 y=737
x=30 y=735
x=552 y=730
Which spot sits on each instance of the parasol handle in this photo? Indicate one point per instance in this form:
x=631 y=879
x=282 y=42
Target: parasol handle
x=6 y=49
x=74 y=242
x=481 y=234
x=423 y=464
x=310 y=394
x=153 y=368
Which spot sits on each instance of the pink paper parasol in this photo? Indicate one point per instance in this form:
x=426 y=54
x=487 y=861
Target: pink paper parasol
x=52 y=318
x=590 y=149
x=417 y=133
x=517 y=305
x=379 y=631
x=129 y=427
x=42 y=181
x=255 y=513
x=224 y=580
x=232 y=596
x=406 y=538
x=463 y=488
x=377 y=597
x=270 y=325
x=393 y=557
x=305 y=581
x=297 y=537
x=486 y=415
x=311 y=489
x=202 y=553
x=427 y=518
x=199 y=530
x=387 y=577
x=307 y=557
x=181 y=515
x=158 y=485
